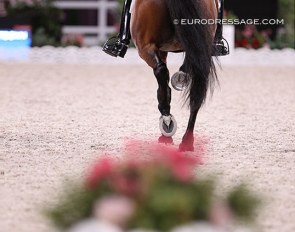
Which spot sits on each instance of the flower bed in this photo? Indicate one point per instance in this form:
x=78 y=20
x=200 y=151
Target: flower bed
x=155 y=190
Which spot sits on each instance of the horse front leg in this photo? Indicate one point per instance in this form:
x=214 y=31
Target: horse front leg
x=164 y=91
x=157 y=60
x=167 y=122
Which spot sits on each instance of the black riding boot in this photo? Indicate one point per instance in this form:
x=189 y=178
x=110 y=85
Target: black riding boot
x=220 y=46
x=118 y=45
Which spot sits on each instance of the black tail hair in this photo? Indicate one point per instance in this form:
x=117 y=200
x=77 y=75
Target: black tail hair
x=197 y=42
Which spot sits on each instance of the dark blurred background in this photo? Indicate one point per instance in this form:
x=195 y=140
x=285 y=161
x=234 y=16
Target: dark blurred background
x=91 y=22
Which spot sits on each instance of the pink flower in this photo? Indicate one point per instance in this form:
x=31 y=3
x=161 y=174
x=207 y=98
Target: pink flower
x=248 y=31
x=102 y=169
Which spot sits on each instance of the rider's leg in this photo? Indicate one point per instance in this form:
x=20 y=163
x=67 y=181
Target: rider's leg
x=218 y=34
x=219 y=47
x=118 y=46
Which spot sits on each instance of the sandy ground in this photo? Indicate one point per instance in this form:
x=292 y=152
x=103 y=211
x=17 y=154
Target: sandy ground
x=55 y=119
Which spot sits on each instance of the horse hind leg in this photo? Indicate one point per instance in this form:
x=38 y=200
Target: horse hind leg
x=187 y=143
x=157 y=60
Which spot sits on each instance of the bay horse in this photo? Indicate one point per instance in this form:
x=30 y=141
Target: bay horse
x=156 y=30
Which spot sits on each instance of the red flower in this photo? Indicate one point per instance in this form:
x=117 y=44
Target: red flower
x=181 y=164
x=127 y=179
x=102 y=169
x=255 y=43
x=244 y=43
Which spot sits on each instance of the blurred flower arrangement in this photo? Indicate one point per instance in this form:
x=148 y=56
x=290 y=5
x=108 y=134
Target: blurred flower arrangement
x=286 y=34
x=72 y=40
x=250 y=37
x=154 y=189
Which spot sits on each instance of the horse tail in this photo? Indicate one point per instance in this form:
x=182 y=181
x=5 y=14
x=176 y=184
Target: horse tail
x=196 y=40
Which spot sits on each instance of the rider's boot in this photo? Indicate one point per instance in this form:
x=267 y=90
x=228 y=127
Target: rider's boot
x=220 y=45
x=118 y=45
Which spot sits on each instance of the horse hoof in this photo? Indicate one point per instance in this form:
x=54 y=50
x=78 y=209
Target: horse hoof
x=179 y=80
x=168 y=125
x=186 y=147
x=165 y=140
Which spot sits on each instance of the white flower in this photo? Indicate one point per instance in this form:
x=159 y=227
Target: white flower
x=141 y=230
x=207 y=227
x=94 y=225
x=196 y=227
x=114 y=209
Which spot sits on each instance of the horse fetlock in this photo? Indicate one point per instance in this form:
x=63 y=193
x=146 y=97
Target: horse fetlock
x=161 y=71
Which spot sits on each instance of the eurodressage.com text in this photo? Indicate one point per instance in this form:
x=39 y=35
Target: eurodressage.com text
x=229 y=21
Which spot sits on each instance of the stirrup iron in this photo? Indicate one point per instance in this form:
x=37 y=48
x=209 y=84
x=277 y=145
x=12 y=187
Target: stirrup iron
x=115 y=47
x=220 y=47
